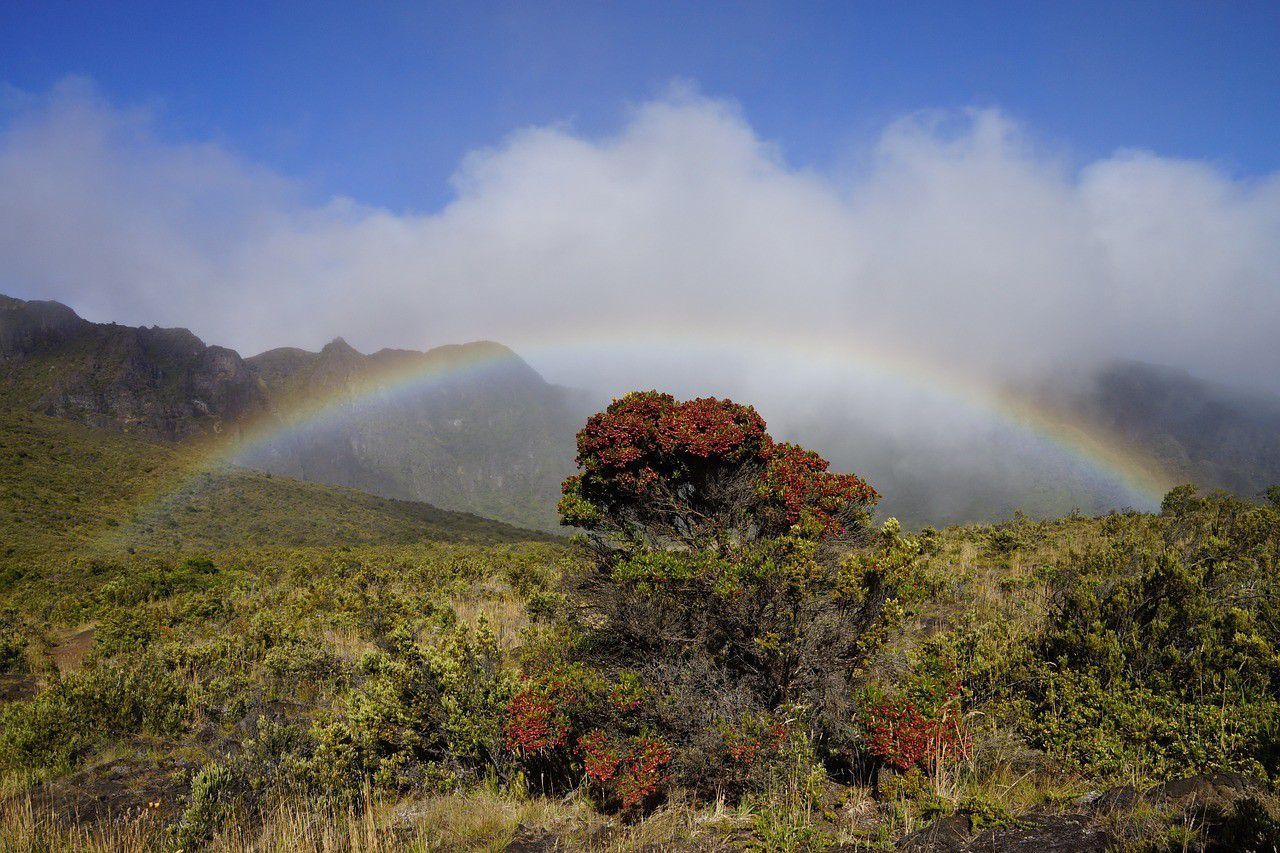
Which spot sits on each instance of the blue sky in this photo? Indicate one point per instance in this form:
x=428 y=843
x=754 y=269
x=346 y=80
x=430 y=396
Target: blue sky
x=381 y=101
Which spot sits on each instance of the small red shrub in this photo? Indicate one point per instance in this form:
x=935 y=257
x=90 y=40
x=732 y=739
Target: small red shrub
x=533 y=724
x=598 y=757
x=903 y=737
x=630 y=771
x=645 y=770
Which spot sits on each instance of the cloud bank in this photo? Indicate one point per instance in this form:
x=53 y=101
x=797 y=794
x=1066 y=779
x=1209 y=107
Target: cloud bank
x=957 y=237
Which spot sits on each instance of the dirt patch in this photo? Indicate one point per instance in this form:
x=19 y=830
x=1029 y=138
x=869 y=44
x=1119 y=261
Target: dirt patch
x=534 y=841
x=1206 y=791
x=948 y=833
x=15 y=687
x=69 y=653
x=119 y=789
x=1064 y=833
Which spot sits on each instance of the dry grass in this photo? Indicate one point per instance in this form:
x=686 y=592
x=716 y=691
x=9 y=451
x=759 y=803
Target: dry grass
x=292 y=826
x=347 y=644
x=27 y=828
x=476 y=821
x=501 y=609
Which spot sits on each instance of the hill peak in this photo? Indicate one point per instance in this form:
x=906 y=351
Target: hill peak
x=339 y=346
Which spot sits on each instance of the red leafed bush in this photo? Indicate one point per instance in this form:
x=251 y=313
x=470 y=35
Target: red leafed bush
x=708 y=428
x=752 y=740
x=628 y=772
x=796 y=482
x=533 y=723
x=904 y=737
x=538 y=716
x=654 y=468
x=598 y=757
x=644 y=770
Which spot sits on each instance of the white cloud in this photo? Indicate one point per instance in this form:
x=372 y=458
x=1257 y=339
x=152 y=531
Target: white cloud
x=960 y=240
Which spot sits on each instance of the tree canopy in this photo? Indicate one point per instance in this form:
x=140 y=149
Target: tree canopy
x=701 y=472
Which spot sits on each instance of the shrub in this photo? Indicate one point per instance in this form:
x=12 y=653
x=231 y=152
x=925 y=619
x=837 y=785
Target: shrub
x=13 y=648
x=87 y=708
x=1162 y=647
x=425 y=710
x=721 y=575
x=624 y=772
x=657 y=471
x=904 y=737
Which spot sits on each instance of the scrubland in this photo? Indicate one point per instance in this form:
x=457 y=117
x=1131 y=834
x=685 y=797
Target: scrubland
x=1110 y=681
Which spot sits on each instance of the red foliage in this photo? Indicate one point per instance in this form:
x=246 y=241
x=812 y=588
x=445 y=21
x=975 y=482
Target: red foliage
x=533 y=725
x=648 y=440
x=536 y=717
x=645 y=771
x=904 y=737
x=747 y=743
x=543 y=720
x=599 y=758
x=632 y=773
x=798 y=480
x=625 y=434
x=646 y=435
x=708 y=427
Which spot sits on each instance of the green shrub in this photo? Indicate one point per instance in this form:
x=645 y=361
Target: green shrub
x=426 y=711
x=87 y=708
x=13 y=647
x=1162 y=648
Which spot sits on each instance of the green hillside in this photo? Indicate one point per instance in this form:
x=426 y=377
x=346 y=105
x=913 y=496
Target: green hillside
x=235 y=661
x=483 y=433
x=66 y=489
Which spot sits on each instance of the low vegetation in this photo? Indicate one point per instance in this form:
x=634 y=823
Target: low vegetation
x=730 y=653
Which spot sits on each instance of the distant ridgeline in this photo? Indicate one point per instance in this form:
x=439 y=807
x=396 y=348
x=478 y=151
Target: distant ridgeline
x=486 y=435
x=474 y=428
x=1207 y=433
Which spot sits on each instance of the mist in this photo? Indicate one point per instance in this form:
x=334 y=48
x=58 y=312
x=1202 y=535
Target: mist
x=957 y=239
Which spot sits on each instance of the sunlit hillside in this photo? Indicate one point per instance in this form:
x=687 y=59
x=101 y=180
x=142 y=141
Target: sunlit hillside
x=227 y=660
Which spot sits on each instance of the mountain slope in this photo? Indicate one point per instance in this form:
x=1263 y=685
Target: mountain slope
x=160 y=383
x=67 y=489
x=474 y=428
x=1206 y=433
x=482 y=432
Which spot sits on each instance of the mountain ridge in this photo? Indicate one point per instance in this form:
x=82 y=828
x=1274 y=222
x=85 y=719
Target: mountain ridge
x=472 y=427
x=483 y=432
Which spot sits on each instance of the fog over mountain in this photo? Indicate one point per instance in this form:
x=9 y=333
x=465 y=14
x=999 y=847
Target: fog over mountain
x=956 y=236
x=953 y=240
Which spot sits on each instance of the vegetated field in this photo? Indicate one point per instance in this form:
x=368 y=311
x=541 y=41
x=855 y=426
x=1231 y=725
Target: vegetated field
x=257 y=663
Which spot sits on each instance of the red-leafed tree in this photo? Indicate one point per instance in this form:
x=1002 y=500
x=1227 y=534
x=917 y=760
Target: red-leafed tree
x=729 y=606
x=702 y=471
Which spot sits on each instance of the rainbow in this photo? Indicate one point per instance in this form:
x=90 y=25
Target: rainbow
x=1140 y=477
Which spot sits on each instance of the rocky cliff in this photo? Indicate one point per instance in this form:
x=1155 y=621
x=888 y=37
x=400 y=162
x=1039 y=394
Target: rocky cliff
x=470 y=427
x=162 y=383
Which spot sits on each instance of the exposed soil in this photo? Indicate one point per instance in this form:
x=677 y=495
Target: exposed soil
x=69 y=653
x=14 y=687
x=118 y=789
